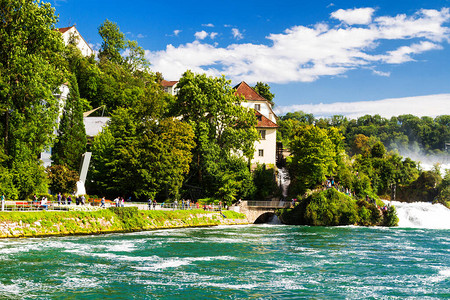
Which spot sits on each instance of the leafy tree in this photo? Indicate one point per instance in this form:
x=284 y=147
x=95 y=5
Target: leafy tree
x=71 y=141
x=222 y=130
x=138 y=156
x=263 y=89
x=313 y=158
x=31 y=71
x=444 y=189
x=264 y=182
x=113 y=42
x=62 y=179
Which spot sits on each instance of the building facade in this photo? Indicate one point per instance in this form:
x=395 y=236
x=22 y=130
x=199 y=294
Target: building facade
x=266 y=146
x=72 y=32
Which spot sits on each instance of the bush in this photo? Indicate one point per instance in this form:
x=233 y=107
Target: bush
x=331 y=208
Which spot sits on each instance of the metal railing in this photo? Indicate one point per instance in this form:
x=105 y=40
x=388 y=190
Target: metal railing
x=268 y=204
x=178 y=206
x=32 y=206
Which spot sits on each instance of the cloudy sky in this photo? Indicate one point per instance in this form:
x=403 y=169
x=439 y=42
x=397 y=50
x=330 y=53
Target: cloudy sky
x=322 y=57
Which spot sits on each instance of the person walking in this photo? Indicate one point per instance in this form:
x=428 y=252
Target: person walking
x=102 y=203
x=149 y=202
x=59 y=198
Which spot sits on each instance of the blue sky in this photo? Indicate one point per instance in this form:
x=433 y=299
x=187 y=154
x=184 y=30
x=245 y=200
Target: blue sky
x=324 y=57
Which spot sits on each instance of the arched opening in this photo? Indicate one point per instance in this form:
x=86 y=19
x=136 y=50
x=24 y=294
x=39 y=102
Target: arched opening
x=267 y=217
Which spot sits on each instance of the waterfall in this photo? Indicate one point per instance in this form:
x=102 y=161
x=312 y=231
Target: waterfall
x=283 y=181
x=274 y=220
x=422 y=215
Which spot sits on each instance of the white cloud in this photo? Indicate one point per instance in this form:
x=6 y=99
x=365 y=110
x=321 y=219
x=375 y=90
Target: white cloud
x=305 y=54
x=403 y=54
x=381 y=73
x=354 y=16
x=176 y=32
x=236 y=33
x=431 y=105
x=208 y=25
x=140 y=36
x=200 y=35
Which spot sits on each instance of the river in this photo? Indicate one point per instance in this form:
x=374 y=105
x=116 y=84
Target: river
x=229 y=262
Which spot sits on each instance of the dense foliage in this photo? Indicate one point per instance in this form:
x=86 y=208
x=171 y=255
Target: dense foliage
x=224 y=134
x=315 y=156
x=366 y=167
x=31 y=70
x=332 y=208
x=406 y=133
x=62 y=179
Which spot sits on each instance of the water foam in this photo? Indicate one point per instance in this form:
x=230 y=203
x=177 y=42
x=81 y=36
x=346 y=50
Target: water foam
x=422 y=215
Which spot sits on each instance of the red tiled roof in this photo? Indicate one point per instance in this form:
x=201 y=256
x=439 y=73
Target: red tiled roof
x=244 y=89
x=264 y=122
x=166 y=83
x=64 y=29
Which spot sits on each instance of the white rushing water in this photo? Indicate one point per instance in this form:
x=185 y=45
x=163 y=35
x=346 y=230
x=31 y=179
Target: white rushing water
x=422 y=215
x=283 y=180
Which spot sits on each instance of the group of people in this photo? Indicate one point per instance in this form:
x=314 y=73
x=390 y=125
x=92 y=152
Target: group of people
x=330 y=183
x=119 y=202
x=151 y=204
x=79 y=200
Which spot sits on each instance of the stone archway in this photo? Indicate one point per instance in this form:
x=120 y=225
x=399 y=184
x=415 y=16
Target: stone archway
x=266 y=217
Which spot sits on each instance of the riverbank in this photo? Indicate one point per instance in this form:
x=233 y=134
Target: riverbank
x=128 y=219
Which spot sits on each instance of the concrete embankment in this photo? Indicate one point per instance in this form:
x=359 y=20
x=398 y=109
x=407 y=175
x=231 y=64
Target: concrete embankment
x=128 y=219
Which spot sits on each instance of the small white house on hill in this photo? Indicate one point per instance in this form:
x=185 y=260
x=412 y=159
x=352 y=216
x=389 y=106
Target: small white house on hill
x=170 y=87
x=266 y=147
x=69 y=32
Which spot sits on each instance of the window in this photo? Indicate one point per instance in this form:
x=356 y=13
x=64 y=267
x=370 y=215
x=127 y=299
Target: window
x=260 y=152
x=262 y=134
x=259 y=118
x=258 y=107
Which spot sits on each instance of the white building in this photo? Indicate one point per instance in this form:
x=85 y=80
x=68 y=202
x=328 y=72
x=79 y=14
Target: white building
x=69 y=32
x=170 y=87
x=266 y=147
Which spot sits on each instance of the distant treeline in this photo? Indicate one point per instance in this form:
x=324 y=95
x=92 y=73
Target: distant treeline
x=405 y=133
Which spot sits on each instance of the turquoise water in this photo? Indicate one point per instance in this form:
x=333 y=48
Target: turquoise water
x=252 y=262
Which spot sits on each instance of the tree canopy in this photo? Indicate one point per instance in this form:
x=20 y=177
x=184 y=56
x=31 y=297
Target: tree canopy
x=222 y=129
x=31 y=70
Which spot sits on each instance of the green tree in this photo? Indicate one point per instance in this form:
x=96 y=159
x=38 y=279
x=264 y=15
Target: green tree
x=223 y=129
x=141 y=157
x=263 y=89
x=62 y=179
x=31 y=70
x=71 y=140
x=113 y=42
x=313 y=158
